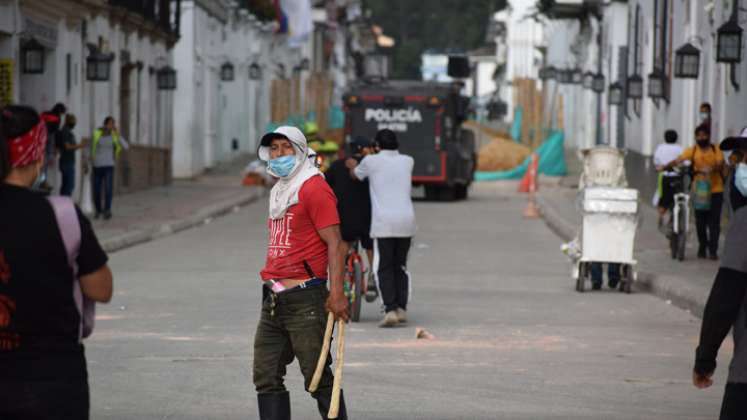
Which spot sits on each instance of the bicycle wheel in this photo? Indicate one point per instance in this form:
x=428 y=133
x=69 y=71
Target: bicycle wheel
x=356 y=291
x=672 y=238
x=682 y=237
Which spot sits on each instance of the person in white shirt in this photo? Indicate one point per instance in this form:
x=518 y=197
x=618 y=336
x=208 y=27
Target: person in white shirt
x=665 y=154
x=392 y=221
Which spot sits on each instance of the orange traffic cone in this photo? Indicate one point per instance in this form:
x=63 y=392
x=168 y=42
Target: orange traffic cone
x=531 y=211
x=531 y=171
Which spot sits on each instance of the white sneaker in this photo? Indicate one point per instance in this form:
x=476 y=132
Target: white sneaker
x=401 y=315
x=390 y=320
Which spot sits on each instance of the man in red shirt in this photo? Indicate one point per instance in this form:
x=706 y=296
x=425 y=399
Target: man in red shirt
x=305 y=249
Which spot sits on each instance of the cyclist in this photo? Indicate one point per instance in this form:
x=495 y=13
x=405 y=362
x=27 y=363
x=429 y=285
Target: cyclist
x=353 y=200
x=665 y=154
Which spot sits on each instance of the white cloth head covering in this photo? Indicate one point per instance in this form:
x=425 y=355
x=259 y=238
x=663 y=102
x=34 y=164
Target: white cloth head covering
x=285 y=192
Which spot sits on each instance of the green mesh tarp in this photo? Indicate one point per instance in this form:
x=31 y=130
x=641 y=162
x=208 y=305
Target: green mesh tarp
x=551 y=161
x=516 y=127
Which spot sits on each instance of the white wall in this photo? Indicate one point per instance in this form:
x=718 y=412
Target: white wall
x=211 y=113
x=698 y=26
x=523 y=59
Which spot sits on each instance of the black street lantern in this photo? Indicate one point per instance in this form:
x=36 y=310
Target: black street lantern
x=227 y=72
x=166 y=78
x=546 y=73
x=635 y=87
x=729 y=45
x=656 y=85
x=588 y=79
x=305 y=64
x=616 y=94
x=255 y=72
x=32 y=57
x=551 y=73
x=98 y=65
x=687 y=62
x=577 y=77
x=565 y=76
x=597 y=83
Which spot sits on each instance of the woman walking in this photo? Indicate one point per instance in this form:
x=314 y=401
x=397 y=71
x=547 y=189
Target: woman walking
x=44 y=287
x=105 y=150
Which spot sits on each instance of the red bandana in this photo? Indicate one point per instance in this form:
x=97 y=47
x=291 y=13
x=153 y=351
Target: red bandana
x=28 y=148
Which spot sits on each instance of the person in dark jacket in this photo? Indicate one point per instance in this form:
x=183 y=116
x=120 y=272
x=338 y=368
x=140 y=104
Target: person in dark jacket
x=726 y=307
x=353 y=198
x=67 y=146
x=354 y=204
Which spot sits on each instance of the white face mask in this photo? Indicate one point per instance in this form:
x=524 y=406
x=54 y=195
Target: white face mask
x=704 y=116
x=740 y=178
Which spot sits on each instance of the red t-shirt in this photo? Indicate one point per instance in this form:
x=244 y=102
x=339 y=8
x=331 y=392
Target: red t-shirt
x=294 y=238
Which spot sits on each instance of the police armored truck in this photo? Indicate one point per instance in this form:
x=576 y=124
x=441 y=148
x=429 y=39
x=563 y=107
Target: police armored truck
x=427 y=117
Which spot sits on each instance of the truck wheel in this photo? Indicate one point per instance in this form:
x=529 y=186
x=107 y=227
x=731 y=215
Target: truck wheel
x=461 y=191
x=431 y=193
x=447 y=193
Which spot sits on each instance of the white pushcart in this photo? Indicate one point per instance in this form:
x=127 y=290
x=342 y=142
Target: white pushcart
x=610 y=219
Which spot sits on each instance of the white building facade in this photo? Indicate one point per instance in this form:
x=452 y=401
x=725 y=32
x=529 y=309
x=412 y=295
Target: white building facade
x=137 y=37
x=640 y=38
x=219 y=118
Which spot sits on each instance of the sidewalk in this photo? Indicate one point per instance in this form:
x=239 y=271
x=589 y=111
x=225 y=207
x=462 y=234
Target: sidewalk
x=686 y=283
x=147 y=215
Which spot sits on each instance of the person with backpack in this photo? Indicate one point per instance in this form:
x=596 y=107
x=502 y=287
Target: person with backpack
x=708 y=189
x=46 y=308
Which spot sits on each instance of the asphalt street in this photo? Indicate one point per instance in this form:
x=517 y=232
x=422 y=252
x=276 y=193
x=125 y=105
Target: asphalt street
x=512 y=338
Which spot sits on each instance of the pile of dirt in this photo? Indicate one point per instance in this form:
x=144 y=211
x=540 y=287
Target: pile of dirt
x=501 y=154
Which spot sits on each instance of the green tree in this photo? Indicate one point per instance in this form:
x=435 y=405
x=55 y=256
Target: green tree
x=419 y=25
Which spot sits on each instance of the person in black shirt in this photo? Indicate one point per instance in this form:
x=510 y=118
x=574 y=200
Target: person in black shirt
x=43 y=372
x=726 y=308
x=353 y=198
x=67 y=146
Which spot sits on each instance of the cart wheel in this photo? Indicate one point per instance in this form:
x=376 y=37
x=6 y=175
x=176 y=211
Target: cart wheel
x=581 y=277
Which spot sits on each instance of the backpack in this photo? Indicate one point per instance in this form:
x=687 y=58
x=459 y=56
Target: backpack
x=67 y=221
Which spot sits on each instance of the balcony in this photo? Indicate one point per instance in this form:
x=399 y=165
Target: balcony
x=164 y=14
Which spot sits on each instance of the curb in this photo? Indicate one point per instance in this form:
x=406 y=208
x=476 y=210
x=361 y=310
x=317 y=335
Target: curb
x=664 y=287
x=202 y=216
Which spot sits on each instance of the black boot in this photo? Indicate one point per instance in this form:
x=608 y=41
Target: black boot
x=323 y=401
x=274 y=406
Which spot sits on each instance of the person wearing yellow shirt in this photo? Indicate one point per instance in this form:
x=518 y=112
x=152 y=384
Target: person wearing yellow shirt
x=707 y=165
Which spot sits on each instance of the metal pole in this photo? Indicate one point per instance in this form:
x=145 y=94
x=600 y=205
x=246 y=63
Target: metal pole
x=599 y=139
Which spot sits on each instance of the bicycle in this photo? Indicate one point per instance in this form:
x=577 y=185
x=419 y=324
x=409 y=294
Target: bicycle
x=679 y=218
x=355 y=284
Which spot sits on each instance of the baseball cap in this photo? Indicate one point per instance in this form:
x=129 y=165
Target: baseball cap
x=735 y=142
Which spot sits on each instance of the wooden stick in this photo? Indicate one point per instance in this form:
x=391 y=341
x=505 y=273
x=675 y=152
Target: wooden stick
x=334 y=406
x=323 y=355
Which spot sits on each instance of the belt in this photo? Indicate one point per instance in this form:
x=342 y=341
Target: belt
x=308 y=283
